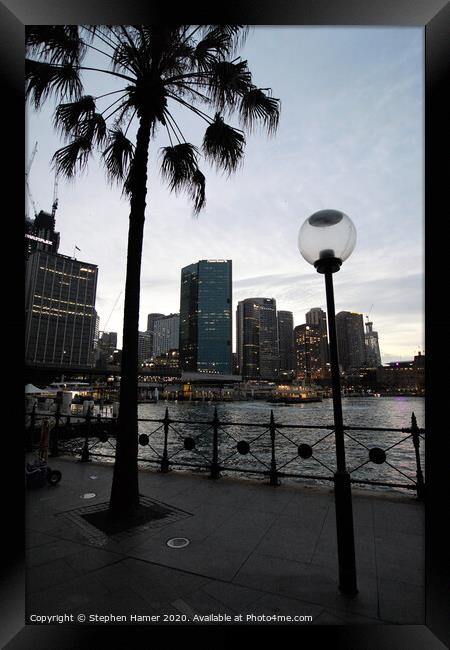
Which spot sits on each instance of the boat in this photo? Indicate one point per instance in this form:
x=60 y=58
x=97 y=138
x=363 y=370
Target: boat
x=294 y=394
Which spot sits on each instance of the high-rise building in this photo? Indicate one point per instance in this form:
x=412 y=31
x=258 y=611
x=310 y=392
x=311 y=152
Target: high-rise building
x=373 y=356
x=95 y=348
x=350 y=340
x=257 y=338
x=285 y=321
x=40 y=234
x=109 y=340
x=308 y=340
x=59 y=310
x=145 y=346
x=205 y=317
x=317 y=318
x=166 y=334
x=247 y=339
x=419 y=361
x=151 y=318
x=107 y=345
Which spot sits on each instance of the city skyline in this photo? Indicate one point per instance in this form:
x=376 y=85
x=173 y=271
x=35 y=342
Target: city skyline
x=355 y=144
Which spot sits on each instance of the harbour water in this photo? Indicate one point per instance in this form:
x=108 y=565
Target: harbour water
x=383 y=412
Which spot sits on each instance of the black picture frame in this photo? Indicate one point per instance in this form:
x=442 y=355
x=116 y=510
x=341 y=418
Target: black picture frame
x=434 y=17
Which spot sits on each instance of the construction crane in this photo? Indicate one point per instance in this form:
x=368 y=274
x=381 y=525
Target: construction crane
x=370 y=311
x=55 y=196
x=112 y=310
x=27 y=183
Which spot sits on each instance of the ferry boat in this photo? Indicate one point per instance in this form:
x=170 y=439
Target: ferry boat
x=294 y=394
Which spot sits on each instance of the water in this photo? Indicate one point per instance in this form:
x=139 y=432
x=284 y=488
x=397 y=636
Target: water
x=385 y=412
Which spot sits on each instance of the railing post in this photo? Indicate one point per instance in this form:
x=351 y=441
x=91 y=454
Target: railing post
x=85 y=453
x=273 y=464
x=165 y=458
x=54 y=437
x=416 y=443
x=215 y=473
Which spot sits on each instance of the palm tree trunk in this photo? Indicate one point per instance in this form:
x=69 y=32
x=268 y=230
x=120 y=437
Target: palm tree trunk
x=124 y=499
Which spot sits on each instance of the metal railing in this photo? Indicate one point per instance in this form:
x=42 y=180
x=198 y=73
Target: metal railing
x=276 y=450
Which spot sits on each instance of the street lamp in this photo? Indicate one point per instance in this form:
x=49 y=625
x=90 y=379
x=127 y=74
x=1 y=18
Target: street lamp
x=326 y=239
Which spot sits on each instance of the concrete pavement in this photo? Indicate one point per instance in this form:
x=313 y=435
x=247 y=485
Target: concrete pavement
x=253 y=551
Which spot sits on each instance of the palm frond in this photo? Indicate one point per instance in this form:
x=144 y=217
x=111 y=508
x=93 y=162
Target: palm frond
x=90 y=32
x=68 y=116
x=197 y=191
x=174 y=55
x=93 y=128
x=228 y=82
x=43 y=79
x=118 y=157
x=257 y=106
x=237 y=34
x=179 y=167
x=179 y=164
x=223 y=145
x=123 y=114
x=213 y=47
x=73 y=157
x=55 y=43
x=127 y=57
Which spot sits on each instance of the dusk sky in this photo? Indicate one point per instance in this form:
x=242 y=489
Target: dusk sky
x=350 y=137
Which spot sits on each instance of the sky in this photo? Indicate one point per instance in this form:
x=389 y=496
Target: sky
x=350 y=137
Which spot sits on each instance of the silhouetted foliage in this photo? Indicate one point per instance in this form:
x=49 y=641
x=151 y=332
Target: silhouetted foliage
x=159 y=67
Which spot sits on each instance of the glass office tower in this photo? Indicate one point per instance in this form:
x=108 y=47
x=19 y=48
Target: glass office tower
x=257 y=338
x=205 y=317
x=350 y=340
x=285 y=321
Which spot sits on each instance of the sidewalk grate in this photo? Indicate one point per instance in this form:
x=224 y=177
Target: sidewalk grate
x=95 y=523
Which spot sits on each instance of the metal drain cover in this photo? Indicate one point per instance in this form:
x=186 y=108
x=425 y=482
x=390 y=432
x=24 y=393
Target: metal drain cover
x=177 y=542
x=88 y=495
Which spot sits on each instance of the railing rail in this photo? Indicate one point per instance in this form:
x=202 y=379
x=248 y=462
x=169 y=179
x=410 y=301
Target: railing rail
x=273 y=451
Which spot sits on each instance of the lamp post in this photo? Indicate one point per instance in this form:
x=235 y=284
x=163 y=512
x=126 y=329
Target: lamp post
x=326 y=239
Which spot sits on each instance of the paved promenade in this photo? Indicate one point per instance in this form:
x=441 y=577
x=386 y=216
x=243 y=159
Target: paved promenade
x=253 y=550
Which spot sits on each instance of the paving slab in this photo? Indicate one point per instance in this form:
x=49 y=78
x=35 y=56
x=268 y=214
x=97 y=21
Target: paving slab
x=48 y=575
x=402 y=602
x=252 y=548
x=157 y=585
x=309 y=583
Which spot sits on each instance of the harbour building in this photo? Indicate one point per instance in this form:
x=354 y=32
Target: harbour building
x=205 y=317
x=145 y=347
x=373 y=356
x=166 y=334
x=40 y=234
x=317 y=318
x=60 y=317
x=107 y=345
x=285 y=323
x=350 y=340
x=257 y=338
x=308 y=352
x=151 y=318
x=247 y=339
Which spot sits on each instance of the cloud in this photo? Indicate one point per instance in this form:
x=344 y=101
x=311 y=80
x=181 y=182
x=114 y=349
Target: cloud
x=350 y=137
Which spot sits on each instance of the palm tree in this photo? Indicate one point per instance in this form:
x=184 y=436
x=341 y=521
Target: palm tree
x=157 y=68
